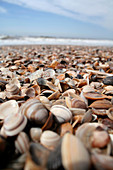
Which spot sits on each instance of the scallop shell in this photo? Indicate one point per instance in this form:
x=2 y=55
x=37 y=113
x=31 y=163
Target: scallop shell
x=61 y=113
x=34 y=110
x=74 y=154
x=49 y=139
x=8 y=108
x=22 y=142
x=13 y=124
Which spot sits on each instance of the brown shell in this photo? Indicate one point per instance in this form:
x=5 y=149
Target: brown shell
x=75 y=103
x=101 y=104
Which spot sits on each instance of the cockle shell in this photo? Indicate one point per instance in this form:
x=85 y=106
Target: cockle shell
x=8 y=108
x=34 y=110
x=61 y=113
x=13 y=124
x=74 y=154
x=49 y=139
x=22 y=142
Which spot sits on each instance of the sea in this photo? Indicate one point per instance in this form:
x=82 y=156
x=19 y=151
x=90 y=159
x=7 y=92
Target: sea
x=32 y=40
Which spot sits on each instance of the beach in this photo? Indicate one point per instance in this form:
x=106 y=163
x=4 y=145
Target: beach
x=56 y=105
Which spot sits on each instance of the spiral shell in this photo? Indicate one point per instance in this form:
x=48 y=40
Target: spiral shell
x=61 y=113
x=34 y=110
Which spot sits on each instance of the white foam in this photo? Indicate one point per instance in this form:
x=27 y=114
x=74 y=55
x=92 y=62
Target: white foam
x=53 y=41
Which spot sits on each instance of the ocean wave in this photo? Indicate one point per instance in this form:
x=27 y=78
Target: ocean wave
x=7 y=40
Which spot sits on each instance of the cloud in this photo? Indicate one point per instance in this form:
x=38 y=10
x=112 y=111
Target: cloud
x=99 y=12
x=2 y=10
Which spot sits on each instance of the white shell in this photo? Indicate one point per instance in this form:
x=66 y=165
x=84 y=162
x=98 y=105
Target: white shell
x=49 y=138
x=8 y=108
x=35 y=134
x=62 y=113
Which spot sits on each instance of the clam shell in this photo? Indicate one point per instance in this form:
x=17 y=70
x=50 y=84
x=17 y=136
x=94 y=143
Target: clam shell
x=35 y=134
x=45 y=101
x=94 y=96
x=22 y=142
x=13 y=124
x=34 y=110
x=54 y=95
x=12 y=88
x=8 y=108
x=74 y=154
x=101 y=112
x=49 y=139
x=101 y=104
x=61 y=113
x=75 y=103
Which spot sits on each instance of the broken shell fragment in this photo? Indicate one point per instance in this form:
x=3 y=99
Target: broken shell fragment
x=49 y=139
x=62 y=114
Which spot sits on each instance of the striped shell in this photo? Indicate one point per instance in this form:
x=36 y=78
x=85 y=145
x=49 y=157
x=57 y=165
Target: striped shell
x=12 y=89
x=34 y=110
x=49 y=139
x=14 y=124
x=22 y=142
x=61 y=113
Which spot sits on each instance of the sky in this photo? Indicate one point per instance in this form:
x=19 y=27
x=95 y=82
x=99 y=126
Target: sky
x=60 y=18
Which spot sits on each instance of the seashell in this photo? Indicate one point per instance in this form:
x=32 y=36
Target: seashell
x=49 y=73
x=108 y=80
x=87 y=89
x=64 y=86
x=12 y=89
x=101 y=104
x=22 y=143
x=101 y=161
x=87 y=116
x=31 y=68
x=62 y=114
x=34 y=110
x=49 y=139
x=45 y=101
x=75 y=103
x=13 y=124
x=30 y=92
x=49 y=122
x=35 y=134
x=47 y=93
x=2 y=95
x=100 y=139
x=64 y=128
x=54 y=95
x=110 y=113
x=8 y=108
x=108 y=88
x=74 y=154
x=77 y=120
x=85 y=131
x=101 y=112
x=59 y=102
x=51 y=86
x=77 y=111
x=68 y=92
x=94 y=96
x=107 y=122
x=61 y=77
x=37 y=157
x=16 y=82
x=96 y=85
x=37 y=89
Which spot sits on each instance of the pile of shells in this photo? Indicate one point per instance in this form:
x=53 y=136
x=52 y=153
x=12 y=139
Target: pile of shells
x=56 y=108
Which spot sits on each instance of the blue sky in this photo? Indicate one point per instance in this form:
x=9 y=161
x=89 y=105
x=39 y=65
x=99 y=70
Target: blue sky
x=61 y=18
